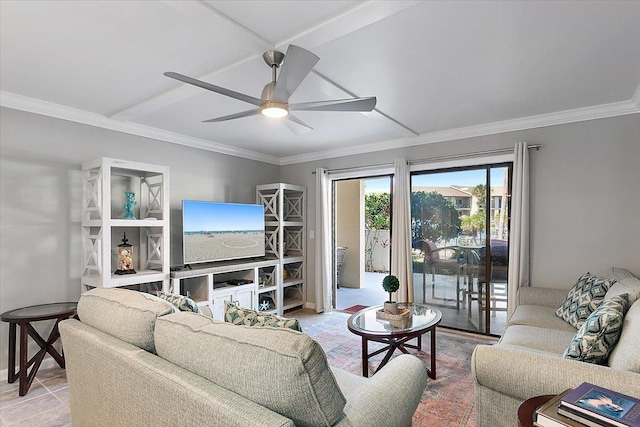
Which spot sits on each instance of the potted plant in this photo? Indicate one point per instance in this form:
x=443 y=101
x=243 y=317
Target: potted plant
x=391 y=284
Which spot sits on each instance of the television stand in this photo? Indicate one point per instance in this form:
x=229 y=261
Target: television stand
x=212 y=284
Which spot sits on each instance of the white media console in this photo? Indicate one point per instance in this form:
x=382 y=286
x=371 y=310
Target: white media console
x=240 y=281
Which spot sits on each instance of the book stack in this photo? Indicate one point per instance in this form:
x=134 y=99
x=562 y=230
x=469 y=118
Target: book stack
x=589 y=405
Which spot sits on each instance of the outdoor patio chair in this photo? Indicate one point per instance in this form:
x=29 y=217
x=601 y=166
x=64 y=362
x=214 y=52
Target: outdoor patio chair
x=477 y=282
x=447 y=258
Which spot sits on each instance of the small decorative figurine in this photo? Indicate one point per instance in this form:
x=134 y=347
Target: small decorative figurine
x=125 y=257
x=129 y=205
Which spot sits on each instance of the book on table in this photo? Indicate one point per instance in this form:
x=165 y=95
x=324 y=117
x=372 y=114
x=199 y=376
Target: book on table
x=547 y=414
x=599 y=406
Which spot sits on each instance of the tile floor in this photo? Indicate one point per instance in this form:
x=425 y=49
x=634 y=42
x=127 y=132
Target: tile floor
x=46 y=403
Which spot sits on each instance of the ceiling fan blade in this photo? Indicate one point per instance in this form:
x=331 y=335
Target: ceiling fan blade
x=234 y=116
x=353 y=104
x=298 y=63
x=299 y=127
x=214 y=88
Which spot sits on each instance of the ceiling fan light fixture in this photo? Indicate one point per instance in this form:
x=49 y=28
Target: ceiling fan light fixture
x=274 y=110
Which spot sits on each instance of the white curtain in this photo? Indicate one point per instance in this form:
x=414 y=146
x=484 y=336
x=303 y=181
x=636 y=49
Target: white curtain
x=519 y=231
x=323 y=276
x=401 y=263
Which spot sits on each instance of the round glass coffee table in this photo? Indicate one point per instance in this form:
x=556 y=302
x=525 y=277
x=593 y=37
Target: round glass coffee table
x=423 y=319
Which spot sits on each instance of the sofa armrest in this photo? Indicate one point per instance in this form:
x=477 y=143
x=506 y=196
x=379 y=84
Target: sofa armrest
x=390 y=397
x=522 y=373
x=546 y=297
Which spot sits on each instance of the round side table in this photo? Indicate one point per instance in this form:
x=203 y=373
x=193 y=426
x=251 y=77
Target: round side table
x=528 y=408
x=24 y=317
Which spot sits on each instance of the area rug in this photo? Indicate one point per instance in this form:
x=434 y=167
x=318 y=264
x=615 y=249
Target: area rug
x=354 y=308
x=446 y=401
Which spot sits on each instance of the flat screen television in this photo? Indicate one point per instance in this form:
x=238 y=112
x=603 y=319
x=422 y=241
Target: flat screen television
x=216 y=231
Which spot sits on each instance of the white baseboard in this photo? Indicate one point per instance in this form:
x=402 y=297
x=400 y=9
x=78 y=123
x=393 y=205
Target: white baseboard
x=310 y=305
x=47 y=363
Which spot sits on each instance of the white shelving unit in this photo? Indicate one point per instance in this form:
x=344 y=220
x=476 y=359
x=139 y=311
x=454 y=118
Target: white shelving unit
x=285 y=228
x=104 y=181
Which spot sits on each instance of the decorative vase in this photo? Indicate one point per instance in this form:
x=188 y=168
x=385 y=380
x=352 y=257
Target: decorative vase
x=391 y=307
x=129 y=205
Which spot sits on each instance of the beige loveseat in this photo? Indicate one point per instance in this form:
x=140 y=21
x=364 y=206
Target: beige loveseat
x=528 y=361
x=132 y=361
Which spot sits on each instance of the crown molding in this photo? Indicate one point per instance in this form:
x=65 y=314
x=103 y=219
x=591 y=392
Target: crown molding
x=31 y=105
x=543 y=120
x=45 y=108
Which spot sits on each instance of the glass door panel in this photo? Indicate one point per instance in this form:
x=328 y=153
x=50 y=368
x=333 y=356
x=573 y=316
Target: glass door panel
x=362 y=226
x=452 y=215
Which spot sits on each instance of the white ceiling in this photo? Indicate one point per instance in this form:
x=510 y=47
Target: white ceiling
x=439 y=70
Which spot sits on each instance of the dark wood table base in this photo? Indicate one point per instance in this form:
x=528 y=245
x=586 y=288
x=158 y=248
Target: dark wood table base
x=397 y=343
x=15 y=318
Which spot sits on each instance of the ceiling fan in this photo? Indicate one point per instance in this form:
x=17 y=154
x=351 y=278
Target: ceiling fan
x=274 y=102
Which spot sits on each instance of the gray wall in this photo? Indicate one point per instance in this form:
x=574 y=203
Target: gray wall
x=585 y=185
x=585 y=194
x=40 y=199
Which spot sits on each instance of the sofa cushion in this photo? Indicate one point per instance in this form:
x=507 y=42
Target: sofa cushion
x=630 y=286
x=125 y=314
x=583 y=298
x=181 y=302
x=542 y=317
x=600 y=332
x=243 y=316
x=625 y=355
x=542 y=339
x=281 y=369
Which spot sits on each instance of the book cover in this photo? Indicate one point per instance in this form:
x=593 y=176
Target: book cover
x=547 y=415
x=604 y=404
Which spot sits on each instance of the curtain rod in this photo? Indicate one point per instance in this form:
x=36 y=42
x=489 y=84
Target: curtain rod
x=477 y=153
x=435 y=159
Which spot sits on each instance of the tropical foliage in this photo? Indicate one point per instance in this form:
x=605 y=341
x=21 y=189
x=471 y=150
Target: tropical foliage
x=474 y=225
x=377 y=211
x=433 y=217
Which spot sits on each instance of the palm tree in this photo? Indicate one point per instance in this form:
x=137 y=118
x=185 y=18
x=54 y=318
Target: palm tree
x=480 y=193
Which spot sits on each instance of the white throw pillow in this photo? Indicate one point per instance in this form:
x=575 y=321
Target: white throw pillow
x=622 y=273
x=625 y=286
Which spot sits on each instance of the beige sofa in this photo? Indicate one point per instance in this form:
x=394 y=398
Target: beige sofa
x=527 y=361
x=132 y=361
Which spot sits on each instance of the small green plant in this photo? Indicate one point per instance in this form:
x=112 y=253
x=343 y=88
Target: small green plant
x=390 y=284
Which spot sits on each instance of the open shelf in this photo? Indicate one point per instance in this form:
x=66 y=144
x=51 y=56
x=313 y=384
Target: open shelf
x=104 y=183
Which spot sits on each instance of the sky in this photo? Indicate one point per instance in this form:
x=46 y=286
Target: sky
x=468 y=178
x=214 y=216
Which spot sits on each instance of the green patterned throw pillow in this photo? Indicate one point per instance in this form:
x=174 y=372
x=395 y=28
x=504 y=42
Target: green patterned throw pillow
x=242 y=316
x=583 y=298
x=181 y=302
x=601 y=331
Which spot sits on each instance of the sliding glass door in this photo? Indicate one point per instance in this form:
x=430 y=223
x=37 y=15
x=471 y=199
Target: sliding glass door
x=460 y=235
